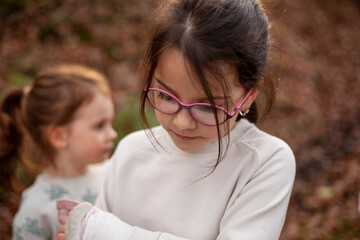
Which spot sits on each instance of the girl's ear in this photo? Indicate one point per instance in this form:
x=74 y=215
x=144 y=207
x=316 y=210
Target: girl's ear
x=57 y=136
x=250 y=99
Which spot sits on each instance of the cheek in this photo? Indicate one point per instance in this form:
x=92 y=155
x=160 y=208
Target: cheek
x=90 y=143
x=210 y=133
x=93 y=150
x=163 y=118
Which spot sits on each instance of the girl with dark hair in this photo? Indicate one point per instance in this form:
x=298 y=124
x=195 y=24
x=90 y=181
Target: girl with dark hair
x=65 y=117
x=207 y=172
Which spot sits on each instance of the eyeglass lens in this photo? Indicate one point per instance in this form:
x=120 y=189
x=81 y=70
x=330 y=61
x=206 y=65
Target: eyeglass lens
x=202 y=113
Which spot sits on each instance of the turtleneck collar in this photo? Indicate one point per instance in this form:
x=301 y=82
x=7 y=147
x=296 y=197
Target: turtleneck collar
x=210 y=150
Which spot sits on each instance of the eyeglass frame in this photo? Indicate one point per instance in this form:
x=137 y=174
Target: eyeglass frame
x=191 y=105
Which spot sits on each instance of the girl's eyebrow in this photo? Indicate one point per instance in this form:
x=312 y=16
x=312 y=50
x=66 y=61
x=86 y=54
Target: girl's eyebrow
x=200 y=100
x=164 y=85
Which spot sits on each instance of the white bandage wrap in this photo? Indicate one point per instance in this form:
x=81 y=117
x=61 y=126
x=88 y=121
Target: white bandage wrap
x=87 y=222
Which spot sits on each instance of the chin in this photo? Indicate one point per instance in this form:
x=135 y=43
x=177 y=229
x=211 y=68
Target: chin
x=100 y=160
x=187 y=147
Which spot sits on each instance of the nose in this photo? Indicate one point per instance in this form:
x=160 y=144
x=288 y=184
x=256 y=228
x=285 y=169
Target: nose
x=183 y=120
x=112 y=134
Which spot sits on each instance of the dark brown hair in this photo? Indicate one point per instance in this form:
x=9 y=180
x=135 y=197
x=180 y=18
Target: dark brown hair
x=209 y=32
x=52 y=100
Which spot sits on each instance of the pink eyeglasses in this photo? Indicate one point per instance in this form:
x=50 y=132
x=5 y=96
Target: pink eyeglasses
x=202 y=112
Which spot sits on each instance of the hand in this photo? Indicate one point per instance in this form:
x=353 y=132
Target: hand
x=60 y=234
x=64 y=208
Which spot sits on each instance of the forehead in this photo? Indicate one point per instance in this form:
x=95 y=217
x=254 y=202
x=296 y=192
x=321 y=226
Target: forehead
x=175 y=70
x=99 y=105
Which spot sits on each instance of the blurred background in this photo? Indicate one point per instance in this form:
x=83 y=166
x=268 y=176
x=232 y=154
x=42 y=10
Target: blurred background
x=316 y=55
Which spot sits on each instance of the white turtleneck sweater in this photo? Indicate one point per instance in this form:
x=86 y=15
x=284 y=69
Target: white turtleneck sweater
x=166 y=192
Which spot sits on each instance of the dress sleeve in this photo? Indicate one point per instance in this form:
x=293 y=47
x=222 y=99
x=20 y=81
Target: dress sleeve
x=260 y=208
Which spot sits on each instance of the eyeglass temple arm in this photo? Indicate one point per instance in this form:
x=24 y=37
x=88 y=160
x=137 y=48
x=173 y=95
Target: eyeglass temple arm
x=244 y=100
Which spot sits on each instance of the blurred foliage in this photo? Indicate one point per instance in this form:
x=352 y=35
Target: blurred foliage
x=127 y=119
x=316 y=46
x=18 y=79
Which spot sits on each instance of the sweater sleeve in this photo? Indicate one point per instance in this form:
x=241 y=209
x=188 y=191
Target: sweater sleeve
x=143 y=234
x=105 y=202
x=259 y=210
x=87 y=222
x=108 y=186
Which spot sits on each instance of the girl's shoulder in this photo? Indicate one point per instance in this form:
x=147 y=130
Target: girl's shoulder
x=138 y=135
x=142 y=144
x=39 y=188
x=35 y=203
x=252 y=135
x=266 y=146
x=141 y=139
x=262 y=140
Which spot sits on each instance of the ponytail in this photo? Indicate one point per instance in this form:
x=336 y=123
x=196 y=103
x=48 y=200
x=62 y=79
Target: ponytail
x=11 y=136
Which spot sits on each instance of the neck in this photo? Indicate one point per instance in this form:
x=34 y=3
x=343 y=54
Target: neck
x=66 y=168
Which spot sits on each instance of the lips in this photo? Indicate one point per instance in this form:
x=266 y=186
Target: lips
x=185 y=138
x=108 y=150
